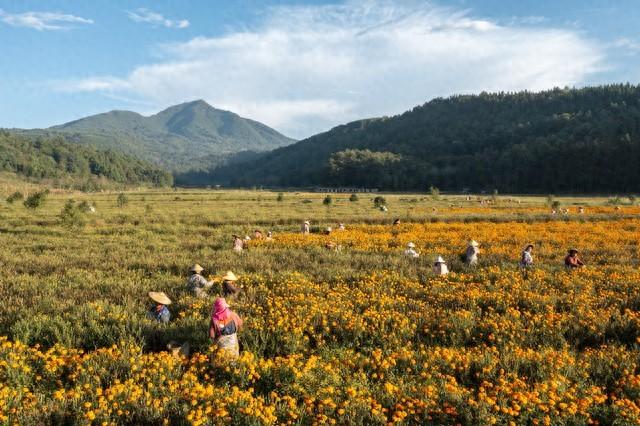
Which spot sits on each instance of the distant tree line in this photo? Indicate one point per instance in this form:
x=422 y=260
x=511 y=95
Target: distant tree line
x=82 y=167
x=561 y=140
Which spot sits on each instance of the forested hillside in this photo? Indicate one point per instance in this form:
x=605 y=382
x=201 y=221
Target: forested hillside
x=77 y=166
x=183 y=137
x=562 y=140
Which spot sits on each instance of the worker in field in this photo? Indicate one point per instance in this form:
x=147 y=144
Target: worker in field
x=471 y=255
x=257 y=234
x=572 y=260
x=269 y=236
x=305 y=227
x=238 y=244
x=526 y=258
x=396 y=222
x=224 y=327
x=230 y=287
x=341 y=227
x=411 y=251
x=440 y=266
x=196 y=283
x=328 y=230
x=158 y=310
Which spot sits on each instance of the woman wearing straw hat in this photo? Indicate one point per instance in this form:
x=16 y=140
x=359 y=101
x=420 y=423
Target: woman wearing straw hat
x=572 y=261
x=230 y=288
x=224 y=327
x=440 y=266
x=472 y=253
x=198 y=284
x=159 y=311
x=411 y=251
x=305 y=227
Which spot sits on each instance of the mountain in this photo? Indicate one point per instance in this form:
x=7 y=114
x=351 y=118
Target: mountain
x=175 y=138
x=65 y=164
x=561 y=140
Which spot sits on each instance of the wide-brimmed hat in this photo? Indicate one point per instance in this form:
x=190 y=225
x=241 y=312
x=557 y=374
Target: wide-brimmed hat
x=234 y=236
x=572 y=250
x=528 y=245
x=473 y=243
x=196 y=268
x=159 y=297
x=306 y=222
x=230 y=276
x=411 y=245
x=439 y=259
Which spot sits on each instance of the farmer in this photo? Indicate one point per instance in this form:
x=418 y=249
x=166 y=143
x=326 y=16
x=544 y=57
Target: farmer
x=472 y=253
x=229 y=286
x=269 y=236
x=411 y=251
x=196 y=282
x=238 y=244
x=440 y=266
x=257 y=234
x=305 y=227
x=224 y=327
x=396 y=222
x=341 y=227
x=526 y=259
x=328 y=230
x=572 y=261
x=158 y=310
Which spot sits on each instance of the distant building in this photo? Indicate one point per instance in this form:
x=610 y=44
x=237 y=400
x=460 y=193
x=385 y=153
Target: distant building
x=346 y=190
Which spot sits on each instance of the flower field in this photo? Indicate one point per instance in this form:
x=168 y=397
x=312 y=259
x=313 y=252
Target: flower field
x=357 y=336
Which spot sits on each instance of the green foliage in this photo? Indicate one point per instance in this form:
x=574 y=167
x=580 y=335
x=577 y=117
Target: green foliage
x=72 y=215
x=556 y=141
x=379 y=201
x=83 y=168
x=84 y=206
x=555 y=204
x=122 y=200
x=632 y=199
x=16 y=196
x=280 y=197
x=355 y=167
x=36 y=199
x=435 y=192
x=328 y=200
x=353 y=198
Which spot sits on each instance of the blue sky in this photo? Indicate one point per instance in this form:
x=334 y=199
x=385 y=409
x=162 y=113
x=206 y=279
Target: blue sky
x=300 y=66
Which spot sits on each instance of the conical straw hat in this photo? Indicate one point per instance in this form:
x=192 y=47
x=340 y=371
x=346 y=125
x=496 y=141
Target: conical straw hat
x=411 y=245
x=439 y=259
x=196 y=268
x=159 y=297
x=473 y=243
x=230 y=276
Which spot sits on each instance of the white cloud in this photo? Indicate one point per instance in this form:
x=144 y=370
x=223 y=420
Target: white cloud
x=151 y=17
x=629 y=46
x=42 y=21
x=305 y=69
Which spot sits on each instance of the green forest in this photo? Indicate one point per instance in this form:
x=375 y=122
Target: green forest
x=558 y=141
x=78 y=167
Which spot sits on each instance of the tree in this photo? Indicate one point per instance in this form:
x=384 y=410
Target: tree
x=71 y=215
x=36 y=199
x=280 y=197
x=379 y=201
x=435 y=192
x=16 y=196
x=327 y=200
x=122 y=200
x=353 y=198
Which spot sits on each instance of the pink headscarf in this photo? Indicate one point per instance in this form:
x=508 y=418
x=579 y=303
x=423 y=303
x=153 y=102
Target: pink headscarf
x=220 y=311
